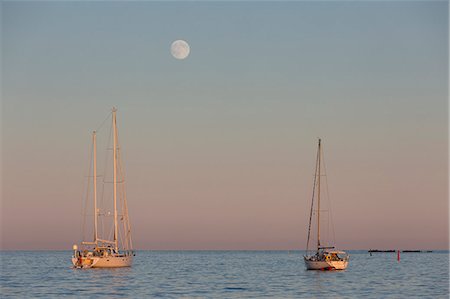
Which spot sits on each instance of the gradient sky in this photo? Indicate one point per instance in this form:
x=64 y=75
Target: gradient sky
x=219 y=148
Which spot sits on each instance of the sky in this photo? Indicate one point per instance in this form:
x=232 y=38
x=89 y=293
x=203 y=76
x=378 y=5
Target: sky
x=219 y=148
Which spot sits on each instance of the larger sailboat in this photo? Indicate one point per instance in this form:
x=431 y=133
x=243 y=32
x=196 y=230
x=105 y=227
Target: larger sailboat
x=110 y=246
x=325 y=257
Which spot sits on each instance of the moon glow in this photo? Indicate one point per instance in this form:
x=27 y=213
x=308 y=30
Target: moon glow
x=180 y=49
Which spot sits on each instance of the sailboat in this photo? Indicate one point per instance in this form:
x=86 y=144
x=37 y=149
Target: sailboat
x=324 y=257
x=114 y=249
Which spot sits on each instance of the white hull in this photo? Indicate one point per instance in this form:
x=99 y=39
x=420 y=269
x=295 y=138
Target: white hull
x=326 y=265
x=104 y=262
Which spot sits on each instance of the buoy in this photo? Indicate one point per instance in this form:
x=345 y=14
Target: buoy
x=398 y=256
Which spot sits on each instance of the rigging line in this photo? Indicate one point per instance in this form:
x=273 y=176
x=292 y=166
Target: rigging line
x=123 y=236
x=123 y=217
x=128 y=231
x=122 y=192
x=101 y=206
x=111 y=233
x=328 y=199
x=105 y=169
x=103 y=122
x=312 y=203
x=330 y=214
x=84 y=204
x=126 y=224
x=102 y=194
x=108 y=157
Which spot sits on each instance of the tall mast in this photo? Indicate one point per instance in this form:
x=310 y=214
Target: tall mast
x=318 y=197
x=312 y=201
x=94 y=140
x=115 y=176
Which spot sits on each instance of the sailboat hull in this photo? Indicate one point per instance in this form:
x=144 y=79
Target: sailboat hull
x=326 y=265
x=104 y=262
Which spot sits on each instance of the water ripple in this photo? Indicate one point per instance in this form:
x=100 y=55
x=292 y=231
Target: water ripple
x=225 y=274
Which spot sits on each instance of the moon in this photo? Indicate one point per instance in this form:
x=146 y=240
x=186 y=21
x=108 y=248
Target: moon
x=180 y=49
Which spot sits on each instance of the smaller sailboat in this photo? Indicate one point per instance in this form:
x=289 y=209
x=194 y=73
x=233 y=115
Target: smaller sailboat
x=324 y=257
x=114 y=249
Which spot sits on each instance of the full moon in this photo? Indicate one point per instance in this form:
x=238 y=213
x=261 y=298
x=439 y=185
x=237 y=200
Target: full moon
x=180 y=49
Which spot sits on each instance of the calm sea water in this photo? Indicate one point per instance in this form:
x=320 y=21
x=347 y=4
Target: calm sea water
x=226 y=274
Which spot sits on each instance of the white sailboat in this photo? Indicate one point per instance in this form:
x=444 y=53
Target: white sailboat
x=113 y=250
x=324 y=257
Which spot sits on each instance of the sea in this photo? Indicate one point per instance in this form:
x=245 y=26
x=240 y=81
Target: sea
x=226 y=274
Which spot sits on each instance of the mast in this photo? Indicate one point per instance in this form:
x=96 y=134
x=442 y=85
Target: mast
x=94 y=140
x=318 y=197
x=115 y=177
x=312 y=202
